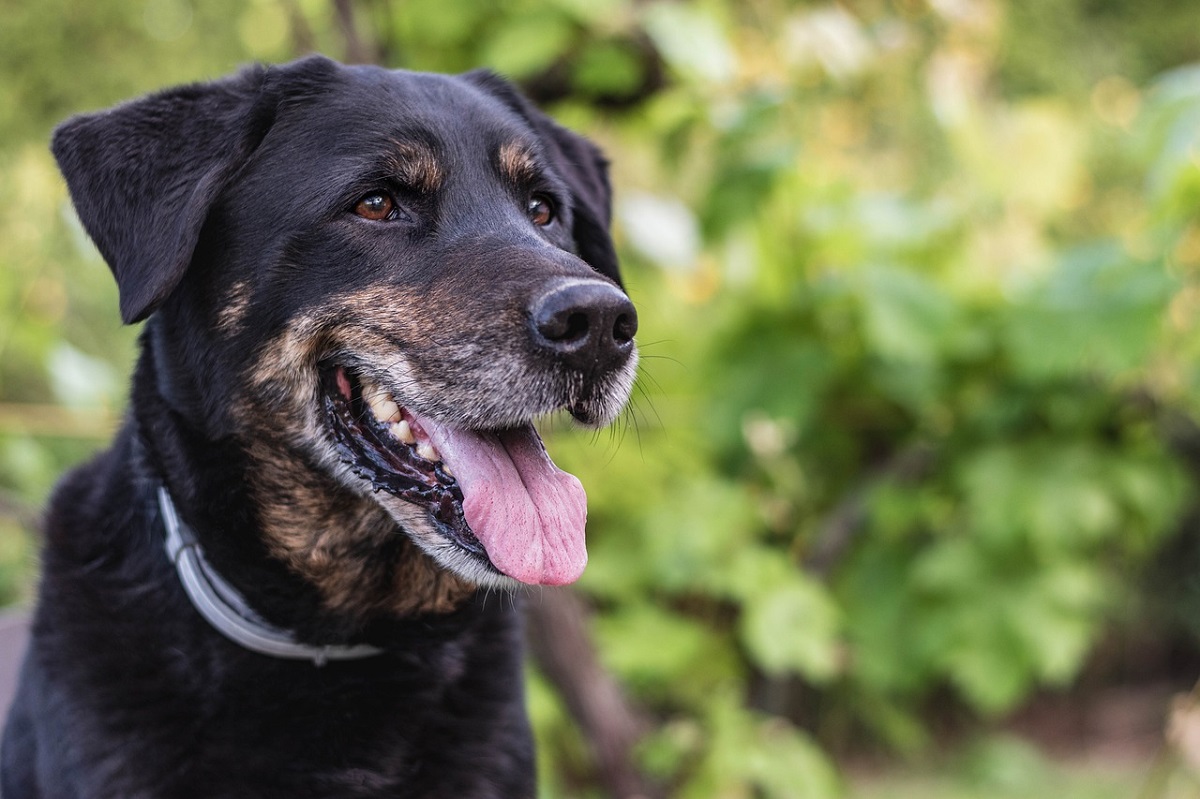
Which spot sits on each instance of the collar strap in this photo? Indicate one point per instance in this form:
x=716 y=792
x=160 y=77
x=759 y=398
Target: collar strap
x=226 y=609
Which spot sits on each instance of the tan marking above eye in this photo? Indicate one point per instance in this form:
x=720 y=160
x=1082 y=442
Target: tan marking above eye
x=376 y=206
x=517 y=163
x=416 y=166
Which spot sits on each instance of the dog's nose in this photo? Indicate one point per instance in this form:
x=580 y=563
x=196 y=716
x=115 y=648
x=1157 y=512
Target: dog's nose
x=587 y=324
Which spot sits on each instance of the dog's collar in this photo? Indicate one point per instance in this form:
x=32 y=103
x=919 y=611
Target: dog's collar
x=226 y=610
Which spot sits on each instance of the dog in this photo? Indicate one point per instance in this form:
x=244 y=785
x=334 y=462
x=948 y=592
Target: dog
x=291 y=573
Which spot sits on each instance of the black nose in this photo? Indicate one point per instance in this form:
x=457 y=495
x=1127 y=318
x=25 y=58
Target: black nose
x=587 y=324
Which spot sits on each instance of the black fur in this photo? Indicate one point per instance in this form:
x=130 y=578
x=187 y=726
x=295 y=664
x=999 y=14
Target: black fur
x=244 y=185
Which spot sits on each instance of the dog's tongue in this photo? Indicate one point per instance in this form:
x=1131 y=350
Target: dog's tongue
x=528 y=514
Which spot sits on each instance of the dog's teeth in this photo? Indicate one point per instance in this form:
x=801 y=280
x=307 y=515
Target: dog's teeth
x=402 y=431
x=384 y=408
x=426 y=451
x=446 y=469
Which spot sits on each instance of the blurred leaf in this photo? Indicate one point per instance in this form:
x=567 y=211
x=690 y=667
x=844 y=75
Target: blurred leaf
x=82 y=381
x=691 y=39
x=1171 y=131
x=1098 y=310
x=608 y=68
x=907 y=317
x=989 y=666
x=747 y=750
x=787 y=765
x=524 y=45
x=662 y=229
x=653 y=648
x=1005 y=763
x=793 y=629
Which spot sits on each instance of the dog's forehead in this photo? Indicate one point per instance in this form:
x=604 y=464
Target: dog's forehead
x=370 y=109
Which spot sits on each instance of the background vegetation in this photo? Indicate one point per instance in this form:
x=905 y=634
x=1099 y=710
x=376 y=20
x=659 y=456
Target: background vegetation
x=915 y=441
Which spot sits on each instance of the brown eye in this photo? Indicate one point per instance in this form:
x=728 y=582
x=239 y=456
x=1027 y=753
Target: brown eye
x=540 y=210
x=376 y=207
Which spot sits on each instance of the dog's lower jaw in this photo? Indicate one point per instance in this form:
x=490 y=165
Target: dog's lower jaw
x=461 y=565
x=347 y=545
x=464 y=565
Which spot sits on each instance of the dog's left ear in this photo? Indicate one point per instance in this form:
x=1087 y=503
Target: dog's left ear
x=143 y=176
x=582 y=165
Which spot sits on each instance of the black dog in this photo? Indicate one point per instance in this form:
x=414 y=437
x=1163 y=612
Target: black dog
x=362 y=285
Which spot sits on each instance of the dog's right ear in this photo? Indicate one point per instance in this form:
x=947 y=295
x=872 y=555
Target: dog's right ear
x=144 y=174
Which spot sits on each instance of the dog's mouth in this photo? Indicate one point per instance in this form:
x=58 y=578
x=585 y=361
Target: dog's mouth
x=493 y=494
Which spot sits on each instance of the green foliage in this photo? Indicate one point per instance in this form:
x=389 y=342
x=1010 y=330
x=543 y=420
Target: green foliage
x=917 y=286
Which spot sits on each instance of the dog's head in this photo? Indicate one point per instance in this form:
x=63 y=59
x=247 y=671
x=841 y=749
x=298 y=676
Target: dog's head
x=374 y=281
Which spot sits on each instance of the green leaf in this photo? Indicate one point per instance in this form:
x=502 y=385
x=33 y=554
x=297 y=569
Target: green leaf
x=751 y=754
x=907 y=317
x=1097 y=311
x=990 y=668
x=608 y=68
x=690 y=544
x=787 y=765
x=523 y=46
x=793 y=629
x=654 y=648
x=691 y=40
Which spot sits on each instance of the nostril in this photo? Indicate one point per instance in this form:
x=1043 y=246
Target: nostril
x=563 y=326
x=624 y=328
x=577 y=327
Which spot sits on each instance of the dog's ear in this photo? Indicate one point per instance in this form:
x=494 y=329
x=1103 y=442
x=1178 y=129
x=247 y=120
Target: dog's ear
x=582 y=165
x=144 y=174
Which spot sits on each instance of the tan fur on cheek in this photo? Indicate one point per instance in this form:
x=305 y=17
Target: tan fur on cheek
x=344 y=544
x=233 y=307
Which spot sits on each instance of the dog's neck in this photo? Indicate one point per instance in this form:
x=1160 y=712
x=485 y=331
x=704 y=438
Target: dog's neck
x=224 y=607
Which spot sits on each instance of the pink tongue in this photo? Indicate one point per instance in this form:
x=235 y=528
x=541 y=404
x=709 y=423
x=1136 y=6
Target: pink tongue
x=528 y=514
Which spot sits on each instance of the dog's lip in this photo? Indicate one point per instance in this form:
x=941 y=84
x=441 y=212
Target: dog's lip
x=372 y=452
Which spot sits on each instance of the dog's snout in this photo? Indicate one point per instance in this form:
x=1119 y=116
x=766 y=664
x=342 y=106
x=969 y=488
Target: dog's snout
x=587 y=324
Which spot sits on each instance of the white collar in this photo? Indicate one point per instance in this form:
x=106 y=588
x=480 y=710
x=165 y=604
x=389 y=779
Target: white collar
x=226 y=610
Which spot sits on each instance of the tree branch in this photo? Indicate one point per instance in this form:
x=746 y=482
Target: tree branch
x=358 y=51
x=557 y=628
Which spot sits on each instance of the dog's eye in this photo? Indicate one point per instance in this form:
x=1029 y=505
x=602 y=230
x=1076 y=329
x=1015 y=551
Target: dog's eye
x=376 y=207
x=540 y=209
